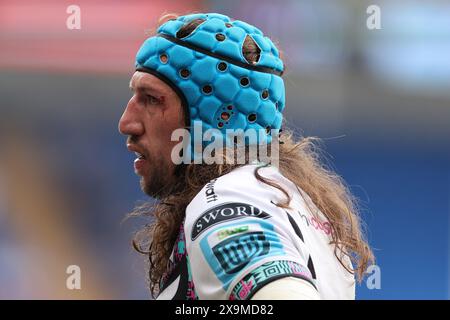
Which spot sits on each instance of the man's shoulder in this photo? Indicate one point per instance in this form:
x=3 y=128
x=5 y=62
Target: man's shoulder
x=236 y=196
x=240 y=184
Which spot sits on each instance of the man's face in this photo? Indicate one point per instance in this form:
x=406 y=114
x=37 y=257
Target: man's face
x=149 y=119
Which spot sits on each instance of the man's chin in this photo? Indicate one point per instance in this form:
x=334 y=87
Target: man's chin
x=153 y=187
x=146 y=187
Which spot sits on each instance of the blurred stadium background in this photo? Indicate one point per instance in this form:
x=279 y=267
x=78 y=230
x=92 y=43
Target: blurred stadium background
x=380 y=100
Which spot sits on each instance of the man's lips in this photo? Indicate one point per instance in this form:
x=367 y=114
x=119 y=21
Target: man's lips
x=140 y=161
x=139 y=164
x=137 y=151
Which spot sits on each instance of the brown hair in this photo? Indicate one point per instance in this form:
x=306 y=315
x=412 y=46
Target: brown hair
x=299 y=161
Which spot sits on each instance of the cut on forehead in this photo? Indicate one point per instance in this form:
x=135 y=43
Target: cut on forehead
x=145 y=81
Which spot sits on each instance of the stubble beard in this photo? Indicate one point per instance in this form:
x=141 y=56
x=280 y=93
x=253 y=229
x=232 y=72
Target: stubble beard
x=157 y=183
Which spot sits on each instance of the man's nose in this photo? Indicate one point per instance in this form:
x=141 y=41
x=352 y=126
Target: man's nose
x=129 y=123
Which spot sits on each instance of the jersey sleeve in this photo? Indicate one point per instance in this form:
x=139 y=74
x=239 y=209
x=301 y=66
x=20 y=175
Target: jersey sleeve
x=238 y=240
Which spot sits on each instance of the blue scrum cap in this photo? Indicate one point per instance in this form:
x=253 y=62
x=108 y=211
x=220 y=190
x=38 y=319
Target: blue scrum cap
x=208 y=70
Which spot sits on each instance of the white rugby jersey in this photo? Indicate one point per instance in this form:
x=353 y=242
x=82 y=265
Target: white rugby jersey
x=234 y=240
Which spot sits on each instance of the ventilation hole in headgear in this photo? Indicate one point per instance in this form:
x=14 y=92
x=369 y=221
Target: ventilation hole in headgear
x=188 y=28
x=228 y=25
x=207 y=89
x=185 y=73
x=265 y=94
x=244 y=81
x=268 y=128
x=276 y=105
x=250 y=50
x=164 y=58
x=251 y=117
x=225 y=116
x=230 y=107
x=222 y=66
x=220 y=124
x=220 y=37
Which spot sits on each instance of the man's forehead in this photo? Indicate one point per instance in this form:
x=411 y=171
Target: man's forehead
x=146 y=81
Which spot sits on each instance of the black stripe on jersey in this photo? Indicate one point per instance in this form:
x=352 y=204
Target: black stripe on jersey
x=180 y=270
x=311 y=268
x=293 y=223
x=183 y=284
x=295 y=226
x=173 y=276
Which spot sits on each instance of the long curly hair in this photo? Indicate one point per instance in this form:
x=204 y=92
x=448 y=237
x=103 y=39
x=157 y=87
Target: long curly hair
x=300 y=161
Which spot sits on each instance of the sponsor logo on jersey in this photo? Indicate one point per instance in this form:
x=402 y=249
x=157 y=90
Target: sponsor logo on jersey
x=316 y=223
x=222 y=234
x=211 y=196
x=235 y=253
x=312 y=222
x=225 y=212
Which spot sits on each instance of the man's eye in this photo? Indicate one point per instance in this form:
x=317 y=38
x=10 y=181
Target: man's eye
x=153 y=100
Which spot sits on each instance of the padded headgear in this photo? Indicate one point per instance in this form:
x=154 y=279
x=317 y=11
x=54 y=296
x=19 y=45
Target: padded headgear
x=209 y=72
